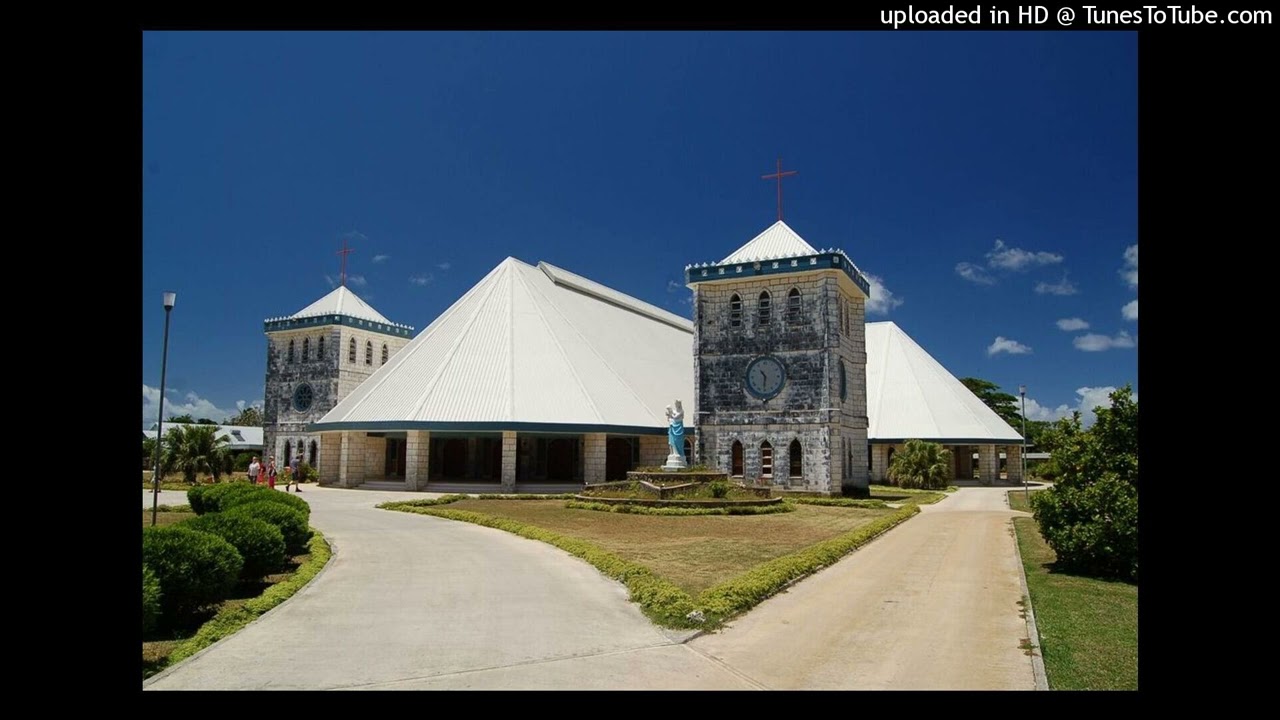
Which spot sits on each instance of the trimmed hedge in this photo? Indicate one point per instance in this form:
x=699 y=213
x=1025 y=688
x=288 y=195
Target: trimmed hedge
x=260 y=543
x=291 y=522
x=526 y=496
x=231 y=619
x=150 y=599
x=426 y=502
x=747 y=590
x=838 y=502
x=261 y=493
x=667 y=604
x=645 y=510
x=194 y=568
x=212 y=498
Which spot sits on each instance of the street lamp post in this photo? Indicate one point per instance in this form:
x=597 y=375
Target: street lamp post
x=1026 y=489
x=170 y=298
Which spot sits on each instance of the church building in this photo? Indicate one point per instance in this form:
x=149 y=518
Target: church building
x=538 y=379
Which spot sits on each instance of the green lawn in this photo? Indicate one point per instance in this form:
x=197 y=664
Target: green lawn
x=692 y=552
x=1088 y=627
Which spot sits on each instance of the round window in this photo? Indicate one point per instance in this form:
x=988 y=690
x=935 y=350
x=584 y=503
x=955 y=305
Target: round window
x=302 y=398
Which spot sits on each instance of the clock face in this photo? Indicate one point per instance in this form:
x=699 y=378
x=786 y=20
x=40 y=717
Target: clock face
x=765 y=377
x=302 y=398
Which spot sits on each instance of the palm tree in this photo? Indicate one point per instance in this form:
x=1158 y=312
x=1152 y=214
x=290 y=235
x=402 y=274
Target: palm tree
x=195 y=449
x=921 y=465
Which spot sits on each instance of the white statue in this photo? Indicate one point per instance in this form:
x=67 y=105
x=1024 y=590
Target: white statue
x=675 y=436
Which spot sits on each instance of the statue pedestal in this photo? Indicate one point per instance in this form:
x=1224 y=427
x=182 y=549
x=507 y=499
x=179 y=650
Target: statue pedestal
x=674 y=462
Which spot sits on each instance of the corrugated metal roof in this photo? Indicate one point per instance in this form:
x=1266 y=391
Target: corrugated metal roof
x=534 y=345
x=777 y=241
x=241 y=436
x=341 y=302
x=910 y=395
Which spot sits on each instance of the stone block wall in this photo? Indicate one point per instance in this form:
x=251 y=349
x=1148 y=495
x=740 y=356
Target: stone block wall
x=375 y=458
x=330 y=450
x=593 y=457
x=417 y=459
x=1013 y=463
x=988 y=464
x=508 y=461
x=653 y=450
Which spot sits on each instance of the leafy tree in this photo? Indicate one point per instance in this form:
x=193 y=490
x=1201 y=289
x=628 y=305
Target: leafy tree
x=921 y=464
x=1004 y=404
x=1090 y=515
x=205 y=421
x=195 y=449
x=249 y=416
x=148 y=452
x=181 y=419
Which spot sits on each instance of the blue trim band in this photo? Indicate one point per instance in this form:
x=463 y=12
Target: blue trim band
x=563 y=428
x=358 y=323
x=946 y=441
x=777 y=266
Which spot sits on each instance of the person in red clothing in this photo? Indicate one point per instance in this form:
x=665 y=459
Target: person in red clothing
x=271 y=473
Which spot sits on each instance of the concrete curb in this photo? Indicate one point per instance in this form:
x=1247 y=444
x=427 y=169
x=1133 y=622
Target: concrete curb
x=1033 y=633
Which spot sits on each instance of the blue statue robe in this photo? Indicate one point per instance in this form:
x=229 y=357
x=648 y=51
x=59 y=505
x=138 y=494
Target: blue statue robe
x=675 y=436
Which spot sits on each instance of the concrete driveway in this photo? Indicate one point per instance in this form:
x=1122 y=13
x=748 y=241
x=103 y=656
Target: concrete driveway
x=415 y=602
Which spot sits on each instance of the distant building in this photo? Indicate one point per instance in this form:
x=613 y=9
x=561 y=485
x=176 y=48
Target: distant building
x=244 y=438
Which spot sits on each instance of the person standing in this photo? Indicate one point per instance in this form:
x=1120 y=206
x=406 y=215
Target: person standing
x=271 y=472
x=294 y=466
x=255 y=469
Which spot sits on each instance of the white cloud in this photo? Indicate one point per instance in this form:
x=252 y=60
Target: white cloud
x=330 y=281
x=673 y=286
x=1089 y=398
x=1130 y=271
x=882 y=299
x=380 y=258
x=193 y=405
x=1017 y=259
x=1072 y=324
x=422 y=279
x=974 y=273
x=1002 y=344
x=444 y=266
x=1130 y=311
x=357 y=280
x=1060 y=288
x=1093 y=342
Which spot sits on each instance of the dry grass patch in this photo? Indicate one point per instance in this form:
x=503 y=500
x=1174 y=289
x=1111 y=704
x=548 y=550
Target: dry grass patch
x=692 y=552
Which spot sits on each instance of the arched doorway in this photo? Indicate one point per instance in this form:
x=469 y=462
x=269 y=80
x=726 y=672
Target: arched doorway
x=795 y=460
x=288 y=454
x=766 y=460
x=311 y=454
x=736 y=461
x=618 y=458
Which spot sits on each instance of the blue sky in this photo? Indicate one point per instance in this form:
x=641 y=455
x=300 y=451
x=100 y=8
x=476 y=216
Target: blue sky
x=988 y=181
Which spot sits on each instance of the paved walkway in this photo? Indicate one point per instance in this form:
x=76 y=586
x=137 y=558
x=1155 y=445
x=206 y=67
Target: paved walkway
x=415 y=602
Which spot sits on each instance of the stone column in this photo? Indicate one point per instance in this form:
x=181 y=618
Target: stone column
x=879 y=463
x=594 y=457
x=351 y=460
x=508 y=461
x=988 y=464
x=1013 y=467
x=417 y=456
x=330 y=455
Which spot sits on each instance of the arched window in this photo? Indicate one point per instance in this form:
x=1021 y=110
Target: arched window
x=688 y=451
x=735 y=468
x=306 y=349
x=735 y=311
x=351 y=355
x=793 y=306
x=368 y=352
x=288 y=453
x=766 y=460
x=320 y=348
x=868 y=457
x=290 y=351
x=763 y=306
x=384 y=353
x=796 y=460
x=311 y=454
x=843 y=381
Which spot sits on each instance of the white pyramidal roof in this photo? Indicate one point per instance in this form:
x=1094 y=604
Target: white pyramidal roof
x=537 y=345
x=341 y=302
x=777 y=241
x=910 y=395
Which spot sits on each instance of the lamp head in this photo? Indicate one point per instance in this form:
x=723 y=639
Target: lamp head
x=1022 y=389
x=170 y=298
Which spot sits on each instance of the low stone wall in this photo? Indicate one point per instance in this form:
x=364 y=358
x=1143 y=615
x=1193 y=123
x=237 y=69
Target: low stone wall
x=679 y=503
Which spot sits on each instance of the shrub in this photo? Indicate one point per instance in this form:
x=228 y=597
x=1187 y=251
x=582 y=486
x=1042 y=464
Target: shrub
x=265 y=494
x=291 y=522
x=260 y=543
x=214 y=497
x=1090 y=516
x=194 y=568
x=921 y=464
x=150 y=599
x=719 y=489
x=195 y=498
x=241 y=462
x=309 y=473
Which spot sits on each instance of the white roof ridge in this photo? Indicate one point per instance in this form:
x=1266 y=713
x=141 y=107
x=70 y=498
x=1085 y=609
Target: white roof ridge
x=622 y=380
x=568 y=361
